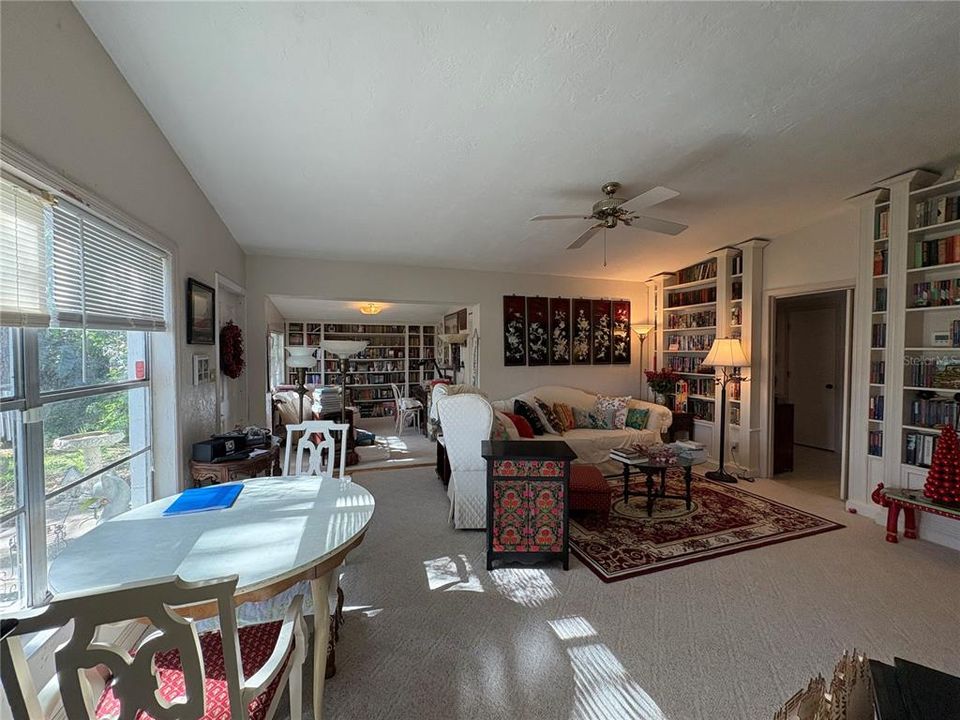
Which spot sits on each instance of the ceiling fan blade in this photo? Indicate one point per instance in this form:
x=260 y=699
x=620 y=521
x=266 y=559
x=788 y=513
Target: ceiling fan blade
x=656 y=225
x=582 y=240
x=651 y=197
x=558 y=217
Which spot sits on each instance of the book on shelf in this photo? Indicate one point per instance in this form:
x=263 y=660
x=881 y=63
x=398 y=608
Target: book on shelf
x=880 y=299
x=677 y=343
x=919 y=448
x=940 y=293
x=883 y=224
x=875 y=407
x=939 y=251
x=737 y=290
x=936 y=210
x=692 y=297
x=692 y=321
x=880 y=261
x=877 y=372
x=875 y=443
x=736 y=265
x=701 y=271
x=878 y=335
x=930 y=412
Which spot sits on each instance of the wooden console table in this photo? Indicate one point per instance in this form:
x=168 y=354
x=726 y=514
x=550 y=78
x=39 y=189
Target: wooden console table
x=911 y=502
x=216 y=473
x=528 y=510
x=682 y=422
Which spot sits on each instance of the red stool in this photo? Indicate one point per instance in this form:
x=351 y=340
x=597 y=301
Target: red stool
x=589 y=490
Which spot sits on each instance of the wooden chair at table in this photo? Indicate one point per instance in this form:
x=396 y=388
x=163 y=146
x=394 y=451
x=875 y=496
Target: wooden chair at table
x=174 y=672
x=316 y=438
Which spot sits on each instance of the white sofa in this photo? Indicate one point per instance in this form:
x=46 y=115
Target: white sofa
x=594 y=446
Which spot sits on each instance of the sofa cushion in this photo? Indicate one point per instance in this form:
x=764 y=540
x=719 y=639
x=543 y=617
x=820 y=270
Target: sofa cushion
x=526 y=411
x=637 y=418
x=508 y=425
x=521 y=424
x=613 y=410
x=550 y=416
x=565 y=414
x=584 y=419
x=498 y=429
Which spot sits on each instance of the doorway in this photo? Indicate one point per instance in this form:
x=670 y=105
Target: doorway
x=231 y=392
x=810 y=387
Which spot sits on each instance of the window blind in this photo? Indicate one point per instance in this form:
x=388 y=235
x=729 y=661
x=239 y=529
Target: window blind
x=23 y=257
x=104 y=278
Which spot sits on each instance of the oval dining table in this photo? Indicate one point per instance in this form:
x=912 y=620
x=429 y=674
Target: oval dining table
x=279 y=531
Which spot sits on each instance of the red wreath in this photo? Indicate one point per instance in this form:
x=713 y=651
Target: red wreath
x=231 y=350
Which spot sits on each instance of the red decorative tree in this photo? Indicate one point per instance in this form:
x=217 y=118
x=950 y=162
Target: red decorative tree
x=943 y=478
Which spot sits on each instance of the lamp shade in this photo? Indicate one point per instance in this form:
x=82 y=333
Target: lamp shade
x=726 y=353
x=642 y=330
x=301 y=356
x=344 y=348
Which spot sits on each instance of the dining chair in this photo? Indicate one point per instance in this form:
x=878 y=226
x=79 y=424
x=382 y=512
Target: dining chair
x=316 y=436
x=174 y=672
x=406 y=407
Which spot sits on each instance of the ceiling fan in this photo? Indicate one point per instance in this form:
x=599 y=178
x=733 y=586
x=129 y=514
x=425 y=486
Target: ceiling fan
x=615 y=210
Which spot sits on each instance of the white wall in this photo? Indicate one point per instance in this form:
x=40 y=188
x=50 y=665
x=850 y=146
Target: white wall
x=822 y=253
x=66 y=104
x=268 y=275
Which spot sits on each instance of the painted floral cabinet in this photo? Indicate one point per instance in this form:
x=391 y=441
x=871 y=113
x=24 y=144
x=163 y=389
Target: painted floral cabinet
x=527 y=500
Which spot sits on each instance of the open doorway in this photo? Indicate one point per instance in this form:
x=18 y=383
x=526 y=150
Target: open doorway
x=810 y=381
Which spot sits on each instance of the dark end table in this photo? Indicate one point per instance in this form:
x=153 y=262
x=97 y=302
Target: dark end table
x=682 y=422
x=656 y=470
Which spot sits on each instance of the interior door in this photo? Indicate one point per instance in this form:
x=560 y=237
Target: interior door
x=231 y=306
x=813 y=376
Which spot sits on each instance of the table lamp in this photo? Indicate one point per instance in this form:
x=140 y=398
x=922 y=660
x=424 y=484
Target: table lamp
x=727 y=355
x=642 y=331
x=344 y=349
x=301 y=358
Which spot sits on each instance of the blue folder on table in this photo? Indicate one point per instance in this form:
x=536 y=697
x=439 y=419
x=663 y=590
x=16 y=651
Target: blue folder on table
x=212 y=497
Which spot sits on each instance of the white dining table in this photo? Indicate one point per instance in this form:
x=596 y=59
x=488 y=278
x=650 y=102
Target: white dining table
x=280 y=531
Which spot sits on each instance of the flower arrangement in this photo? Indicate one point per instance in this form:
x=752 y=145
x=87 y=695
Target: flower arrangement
x=231 y=350
x=663 y=381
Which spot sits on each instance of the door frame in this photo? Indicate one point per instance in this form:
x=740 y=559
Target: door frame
x=222 y=282
x=767 y=345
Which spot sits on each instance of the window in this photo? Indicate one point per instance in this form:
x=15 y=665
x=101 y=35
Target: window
x=275 y=360
x=75 y=419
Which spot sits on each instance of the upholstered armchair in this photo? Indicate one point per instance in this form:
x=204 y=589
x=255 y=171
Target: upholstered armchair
x=466 y=422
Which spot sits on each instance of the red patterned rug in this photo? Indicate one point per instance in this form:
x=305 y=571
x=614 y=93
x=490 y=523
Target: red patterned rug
x=723 y=519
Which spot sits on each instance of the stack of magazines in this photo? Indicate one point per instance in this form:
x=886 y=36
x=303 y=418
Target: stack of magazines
x=326 y=399
x=627 y=455
x=690 y=449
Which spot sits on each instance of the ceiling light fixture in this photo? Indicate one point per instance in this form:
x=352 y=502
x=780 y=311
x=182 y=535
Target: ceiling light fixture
x=370 y=309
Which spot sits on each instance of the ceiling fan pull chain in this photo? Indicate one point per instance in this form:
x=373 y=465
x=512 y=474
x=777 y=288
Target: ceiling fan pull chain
x=604 y=247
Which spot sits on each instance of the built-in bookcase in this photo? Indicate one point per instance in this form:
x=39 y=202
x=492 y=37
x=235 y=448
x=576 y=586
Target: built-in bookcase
x=391 y=357
x=717 y=297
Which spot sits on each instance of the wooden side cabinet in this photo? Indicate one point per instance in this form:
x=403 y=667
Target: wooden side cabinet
x=528 y=513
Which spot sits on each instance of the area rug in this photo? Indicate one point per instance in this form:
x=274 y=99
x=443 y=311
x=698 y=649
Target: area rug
x=723 y=519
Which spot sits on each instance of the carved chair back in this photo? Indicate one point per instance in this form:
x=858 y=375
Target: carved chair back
x=312 y=429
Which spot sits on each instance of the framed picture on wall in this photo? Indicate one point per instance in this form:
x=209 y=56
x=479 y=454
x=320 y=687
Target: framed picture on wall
x=451 y=324
x=462 y=320
x=602 y=336
x=621 y=332
x=200 y=313
x=559 y=311
x=582 y=338
x=538 y=331
x=514 y=330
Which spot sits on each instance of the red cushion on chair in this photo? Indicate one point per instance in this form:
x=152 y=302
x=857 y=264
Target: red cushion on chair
x=256 y=645
x=587 y=479
x=522 y=425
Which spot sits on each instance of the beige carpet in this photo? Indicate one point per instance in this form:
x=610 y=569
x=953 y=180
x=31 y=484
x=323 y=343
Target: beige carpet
x=430 y=634
x=408 y=449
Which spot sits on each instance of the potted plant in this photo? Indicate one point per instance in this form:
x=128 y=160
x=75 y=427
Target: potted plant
x=663 y=382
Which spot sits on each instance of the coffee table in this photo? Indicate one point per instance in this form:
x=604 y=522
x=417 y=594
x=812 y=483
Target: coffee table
x=654 y=469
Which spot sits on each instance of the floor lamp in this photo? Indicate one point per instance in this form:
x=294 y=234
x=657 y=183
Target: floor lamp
x=344 y=349
x=727 y=355
x=642 y=331
x=301 y=358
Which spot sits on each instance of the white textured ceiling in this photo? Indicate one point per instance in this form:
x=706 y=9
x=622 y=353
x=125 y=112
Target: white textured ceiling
x=316 y=309
x=429 y=133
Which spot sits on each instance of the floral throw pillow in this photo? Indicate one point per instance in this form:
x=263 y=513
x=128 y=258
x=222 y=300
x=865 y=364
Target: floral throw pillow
x=618 y=405
x=527 y=412
x=498 y=430
x=587 y=420
x=637 y=418
x=552 y=420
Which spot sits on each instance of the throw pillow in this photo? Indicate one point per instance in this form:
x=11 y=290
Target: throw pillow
x=602 y=419
x=498 y=430
x=522 y=426
x=552 y=420
x=618 y=405
x=565 y=414
x=508 y=426
x=637 y=418
x=586 y=419
x=526 y=411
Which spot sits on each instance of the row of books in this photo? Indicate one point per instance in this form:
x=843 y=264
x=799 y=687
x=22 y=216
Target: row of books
x=701 y=271
x=736 y=265
x=627 y=455
x=955 y=333
x=883 y=224
x=936 y=294
x=942 y=251
x=936 y=210
x=689 y=342
x=692 y=297
x=880 y=261
x=700 y=386
x=919 y=449
x=934 y=411
x=701 y=409
x=875 y=407
x=878 y=335
x=875 y=443
x=735 y=415
x=733 y=390
x=878 y=371
x=737 y=290
x=922 y=373
x=691 y=321
x=880 y=299
x=342 y=328
x=687 y=365
x=390 y=366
